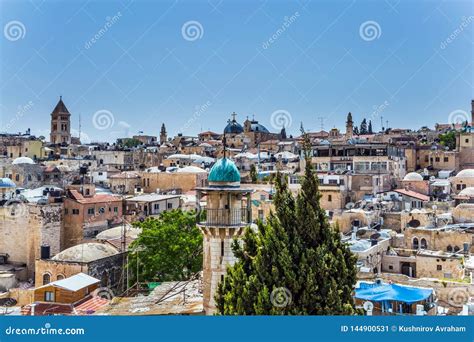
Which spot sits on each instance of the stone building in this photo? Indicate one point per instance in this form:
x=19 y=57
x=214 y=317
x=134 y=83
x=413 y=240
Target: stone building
x=126 y=182
x=181 y=182
x=227 y=215
x=25 y=227
x=464 y=179
x=415 y=182
x=98 y=260
x=447 y=239
x=86 y=213
x=60 y=124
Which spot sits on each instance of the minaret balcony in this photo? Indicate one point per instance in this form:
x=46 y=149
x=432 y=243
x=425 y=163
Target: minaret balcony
x=225 y=217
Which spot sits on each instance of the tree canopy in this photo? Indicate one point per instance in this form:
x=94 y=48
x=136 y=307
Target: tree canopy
x=168 y=248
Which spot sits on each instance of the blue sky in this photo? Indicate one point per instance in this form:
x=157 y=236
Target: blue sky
x=413 y=68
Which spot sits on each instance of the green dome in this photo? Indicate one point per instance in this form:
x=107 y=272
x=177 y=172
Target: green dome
x=224 y=170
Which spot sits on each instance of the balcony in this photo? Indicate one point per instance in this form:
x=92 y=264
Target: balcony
x=224 y=217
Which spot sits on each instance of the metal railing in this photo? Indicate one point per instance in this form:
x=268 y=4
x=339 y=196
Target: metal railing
x=224 y=217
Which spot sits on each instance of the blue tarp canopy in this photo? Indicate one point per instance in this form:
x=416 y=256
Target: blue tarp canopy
x=388 y=292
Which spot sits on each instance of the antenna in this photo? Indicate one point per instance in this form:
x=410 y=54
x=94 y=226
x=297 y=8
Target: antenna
x=321 y=122
x=381 y=122
x=80 y=127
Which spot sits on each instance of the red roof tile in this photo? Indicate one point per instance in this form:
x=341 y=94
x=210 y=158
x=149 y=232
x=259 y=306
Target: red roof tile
x=413 y=194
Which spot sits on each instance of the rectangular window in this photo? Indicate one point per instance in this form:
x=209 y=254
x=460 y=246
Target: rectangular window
x=115 y=209
x=49 y=296
x=446 y=159
x=90 y=211
x=437 y=159
x=156 y=206
x=75 y=211
x=329 y=198
x=170 y=205
x=222 y=247
x=439 y=267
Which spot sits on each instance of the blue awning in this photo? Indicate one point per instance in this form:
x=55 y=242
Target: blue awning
x=395 y=292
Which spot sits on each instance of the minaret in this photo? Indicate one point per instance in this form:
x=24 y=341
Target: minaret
x=60 y=124
x=163 y=135
x=349 y=127
x=228 y=212
x=472 y=113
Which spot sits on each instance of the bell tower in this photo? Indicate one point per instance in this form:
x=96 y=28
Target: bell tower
x=163 y=134
x=349 y=127
x=227 y=213
x=60 y=124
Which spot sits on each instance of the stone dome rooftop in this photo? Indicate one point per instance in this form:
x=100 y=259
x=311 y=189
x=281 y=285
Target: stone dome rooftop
x=467 y=173
x=224 y=171
x=22 y=160
x=469 y=192
x=413 y=176
x=86 y=252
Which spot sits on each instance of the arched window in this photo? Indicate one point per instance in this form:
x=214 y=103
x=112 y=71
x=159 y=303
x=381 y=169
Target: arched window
x=60 y=277
x=449 y=248
x=46 y=278
x=423 y=244
x=456 y=249
x=415 y=243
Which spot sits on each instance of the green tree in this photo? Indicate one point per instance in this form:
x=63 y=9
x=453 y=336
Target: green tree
x=448 y=139
x=295 y=264
x=168 y=248
x=253 y=173
x=131 y=142
x=363 y=127
x=369 y=130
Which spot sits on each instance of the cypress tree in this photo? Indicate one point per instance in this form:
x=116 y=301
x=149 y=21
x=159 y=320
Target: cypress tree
x=363 y=127
x=370 y=127
x=295 y=264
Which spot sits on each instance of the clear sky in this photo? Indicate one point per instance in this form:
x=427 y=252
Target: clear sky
x=190 y=64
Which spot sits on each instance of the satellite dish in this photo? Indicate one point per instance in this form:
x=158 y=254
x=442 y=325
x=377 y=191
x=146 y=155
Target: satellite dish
x=414 y=223
x=350 y=205
x=374 y=236
x=368 y=306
